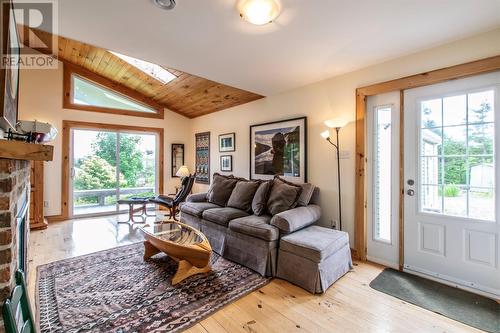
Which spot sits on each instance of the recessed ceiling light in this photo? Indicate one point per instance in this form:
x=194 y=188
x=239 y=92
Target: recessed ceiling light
x=259 y=12
x=165 y=4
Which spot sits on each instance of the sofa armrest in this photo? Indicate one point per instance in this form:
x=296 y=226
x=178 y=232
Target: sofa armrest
x=296 y=218
x=197 y=197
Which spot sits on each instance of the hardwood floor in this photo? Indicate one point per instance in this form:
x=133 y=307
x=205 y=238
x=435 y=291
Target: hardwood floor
x=350 y=305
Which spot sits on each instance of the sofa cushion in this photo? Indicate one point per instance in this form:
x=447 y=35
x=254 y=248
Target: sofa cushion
x=314 y=243
x=221 y=189
x=223 y=215
x=197 y=208
x=283 y=196
x=306 y=194
x=242 y=195
x=256 y=226
x=260 y=198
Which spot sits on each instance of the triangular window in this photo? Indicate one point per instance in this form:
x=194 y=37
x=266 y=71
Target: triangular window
x=86 y=92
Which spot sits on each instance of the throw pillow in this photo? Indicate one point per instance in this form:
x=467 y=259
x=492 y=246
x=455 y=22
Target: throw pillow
x=260 y=198
x=283 y=196
x=221 y=189
x=306 y=194
x=243 y=194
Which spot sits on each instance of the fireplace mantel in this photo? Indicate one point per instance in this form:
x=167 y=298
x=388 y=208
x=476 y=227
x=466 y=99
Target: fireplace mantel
x=17 y=150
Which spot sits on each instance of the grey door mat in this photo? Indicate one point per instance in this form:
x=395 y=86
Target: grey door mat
x=465 y=307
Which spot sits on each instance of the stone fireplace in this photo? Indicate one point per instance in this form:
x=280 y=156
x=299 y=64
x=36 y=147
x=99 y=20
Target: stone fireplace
x=14 y=222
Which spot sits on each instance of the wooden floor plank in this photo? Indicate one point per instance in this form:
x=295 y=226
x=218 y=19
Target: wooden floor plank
x=350 y=305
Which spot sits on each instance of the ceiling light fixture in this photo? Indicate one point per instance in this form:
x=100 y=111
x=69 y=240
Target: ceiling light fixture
x=165 y=4
x=259 y=12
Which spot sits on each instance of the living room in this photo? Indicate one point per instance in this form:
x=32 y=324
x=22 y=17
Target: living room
x=252 y=166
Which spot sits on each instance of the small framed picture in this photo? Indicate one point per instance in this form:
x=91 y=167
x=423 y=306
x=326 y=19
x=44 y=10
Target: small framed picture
x=227 y=142
x=226 y=163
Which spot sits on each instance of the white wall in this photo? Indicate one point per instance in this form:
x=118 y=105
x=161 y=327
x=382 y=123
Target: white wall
x=40 y=98
x=332 y=98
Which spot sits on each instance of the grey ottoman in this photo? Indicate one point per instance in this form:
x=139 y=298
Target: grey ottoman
x=314 y=258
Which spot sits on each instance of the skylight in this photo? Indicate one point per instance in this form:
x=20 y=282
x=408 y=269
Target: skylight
x=153 y=70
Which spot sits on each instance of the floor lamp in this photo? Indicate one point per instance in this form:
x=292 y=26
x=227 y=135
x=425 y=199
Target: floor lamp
x=336 y=124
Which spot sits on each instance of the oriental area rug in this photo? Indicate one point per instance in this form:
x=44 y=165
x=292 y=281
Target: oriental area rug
x=117 y=291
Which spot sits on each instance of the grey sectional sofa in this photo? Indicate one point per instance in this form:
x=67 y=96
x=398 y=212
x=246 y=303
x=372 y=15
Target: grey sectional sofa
x=243 y=236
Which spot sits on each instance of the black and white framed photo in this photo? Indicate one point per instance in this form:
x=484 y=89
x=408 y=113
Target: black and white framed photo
x=226 y=163
x=227 y=142
x=279 y=148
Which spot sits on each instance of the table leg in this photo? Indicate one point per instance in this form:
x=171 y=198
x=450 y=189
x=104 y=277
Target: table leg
x=129 y=215
x=149 y=250
x=140 y=210
x=186 y=269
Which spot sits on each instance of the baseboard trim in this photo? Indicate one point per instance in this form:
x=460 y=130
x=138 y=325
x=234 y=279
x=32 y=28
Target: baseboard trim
x=56 y=218
x=354 y=254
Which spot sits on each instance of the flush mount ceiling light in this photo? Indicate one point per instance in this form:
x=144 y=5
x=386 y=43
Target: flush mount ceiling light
x=259 y=12
x=165 y=4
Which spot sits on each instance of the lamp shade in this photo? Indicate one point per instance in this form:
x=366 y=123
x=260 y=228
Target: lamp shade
x=325 y=135
x=336 y=122
x=183 y=171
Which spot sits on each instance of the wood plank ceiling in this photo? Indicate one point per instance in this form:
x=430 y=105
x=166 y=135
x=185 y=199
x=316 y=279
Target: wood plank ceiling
x=189 y=95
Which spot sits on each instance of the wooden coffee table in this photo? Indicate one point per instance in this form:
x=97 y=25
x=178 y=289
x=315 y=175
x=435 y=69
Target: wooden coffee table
x=183 y=243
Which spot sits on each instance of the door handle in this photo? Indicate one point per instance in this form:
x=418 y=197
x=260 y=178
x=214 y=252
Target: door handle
x=410 y=192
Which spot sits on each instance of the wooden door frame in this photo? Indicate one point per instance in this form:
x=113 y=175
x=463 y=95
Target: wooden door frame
x=423 y=79
x=65 y=164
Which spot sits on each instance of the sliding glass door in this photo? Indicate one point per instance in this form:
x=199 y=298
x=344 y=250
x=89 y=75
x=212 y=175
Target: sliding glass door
x=111 y=165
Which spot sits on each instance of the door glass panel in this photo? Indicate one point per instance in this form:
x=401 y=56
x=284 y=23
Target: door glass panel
x=464 y=184
x=431 y=170
x=481 y=202
x=455 y=140
x=432 y=200
x=431 y=141
x=455 y=200
x=431 y=113
x=480 y=139
x=454 y=110
x=481 y=107
x=137 y=166
x=94 y=172
x=382 y=176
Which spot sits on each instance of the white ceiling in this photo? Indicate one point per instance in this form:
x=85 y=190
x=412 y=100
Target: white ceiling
x=310 y=41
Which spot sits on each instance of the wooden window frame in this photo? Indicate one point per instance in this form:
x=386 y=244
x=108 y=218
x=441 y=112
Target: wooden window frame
x=70 y=70
x=477 y=67
x=65 y=164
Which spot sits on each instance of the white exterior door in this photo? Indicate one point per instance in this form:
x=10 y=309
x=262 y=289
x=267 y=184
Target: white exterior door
x=451 y=223
x=383 y=178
